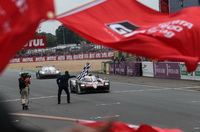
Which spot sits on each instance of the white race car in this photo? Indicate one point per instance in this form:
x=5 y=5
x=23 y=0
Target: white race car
x=89 y=83
x=47 y=72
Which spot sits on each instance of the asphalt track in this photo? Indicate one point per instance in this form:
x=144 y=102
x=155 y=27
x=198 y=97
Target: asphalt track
x=165 y=103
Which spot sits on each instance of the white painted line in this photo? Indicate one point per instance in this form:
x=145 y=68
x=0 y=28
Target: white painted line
x=138 y=85
x=33 y=98
x=101 y=117
x=179 y=88
x=196 y=128
x=191 y=87
x=128 y=91
x=117 y=103
x=189 y=90
x=11 y=100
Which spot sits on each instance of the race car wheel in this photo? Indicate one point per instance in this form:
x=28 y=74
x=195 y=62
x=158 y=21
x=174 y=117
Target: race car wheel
x=38 y=76
x=71 y=87
x=78 y=90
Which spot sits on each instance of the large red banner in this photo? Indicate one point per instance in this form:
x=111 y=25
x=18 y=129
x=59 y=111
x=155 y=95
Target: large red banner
x=129 y=26
x=122 y=127
x=38 y=42
x=19 y=20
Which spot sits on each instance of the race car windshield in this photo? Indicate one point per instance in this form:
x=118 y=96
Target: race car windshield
x=48 y=68
x=90 y=79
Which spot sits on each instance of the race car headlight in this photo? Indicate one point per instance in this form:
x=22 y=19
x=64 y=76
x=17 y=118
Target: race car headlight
x=82 y=85
x=42 y=72
x=57 y=71
x=106 y=83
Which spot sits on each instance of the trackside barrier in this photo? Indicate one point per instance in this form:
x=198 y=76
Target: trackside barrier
x=147 y=69
x=107 y=68
x=102 y=67
x=167 y=70
x=189 y=76
x=174 y=70
x=122 y=69
x=99 y=55
x=112 y=68
x=129 y=69
x=134 y=69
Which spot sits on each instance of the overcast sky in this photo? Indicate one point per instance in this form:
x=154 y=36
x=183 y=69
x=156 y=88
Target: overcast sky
x=65 y=5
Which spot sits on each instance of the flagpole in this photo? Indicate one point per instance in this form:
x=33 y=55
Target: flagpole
x=75 y=8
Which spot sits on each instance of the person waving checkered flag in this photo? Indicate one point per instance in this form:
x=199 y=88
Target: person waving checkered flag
x=84 y=72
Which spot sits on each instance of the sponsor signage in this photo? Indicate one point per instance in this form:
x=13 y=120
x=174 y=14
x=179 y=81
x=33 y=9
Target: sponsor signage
x=112 y=68
x=122 y=69
x=99 y=55
x=189 y=76
x=133 y=69
x=147 y=69
x=38 y=42
x=167 y=70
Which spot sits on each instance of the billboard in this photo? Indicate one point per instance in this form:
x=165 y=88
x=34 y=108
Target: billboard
x=167 y=70
x=37 y=42
x=189 y=76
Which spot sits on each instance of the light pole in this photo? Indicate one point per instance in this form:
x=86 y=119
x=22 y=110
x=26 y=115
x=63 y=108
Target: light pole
x=64 y=39
x=63 y=35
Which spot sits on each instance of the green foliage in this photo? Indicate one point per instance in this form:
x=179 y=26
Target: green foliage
x=50 y=39
x=66 y=36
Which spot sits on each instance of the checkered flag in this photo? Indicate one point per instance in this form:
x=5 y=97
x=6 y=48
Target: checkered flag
x=84 y=72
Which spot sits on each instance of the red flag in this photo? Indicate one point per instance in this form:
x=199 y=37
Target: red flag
x=19 y=20
x=129 y=26
x=122 y=127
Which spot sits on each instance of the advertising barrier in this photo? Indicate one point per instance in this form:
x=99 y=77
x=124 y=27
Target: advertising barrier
x=107 y=68
x=102 y=67
x=112 y=68
x=122 y=69
x=117 y=71
x=167 y=70
x=174 y=70
x=190 y=76
x=147 y=69
x=99 y=55
x=133 y=69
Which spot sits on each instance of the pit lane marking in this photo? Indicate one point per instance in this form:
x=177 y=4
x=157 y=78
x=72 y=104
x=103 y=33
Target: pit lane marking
x=117 y=103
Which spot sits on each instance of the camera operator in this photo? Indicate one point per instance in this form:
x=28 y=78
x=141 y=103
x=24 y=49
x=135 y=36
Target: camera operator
x=24 y=82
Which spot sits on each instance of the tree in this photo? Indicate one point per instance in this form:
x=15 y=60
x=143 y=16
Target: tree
x=51 y=39
x=66 y=36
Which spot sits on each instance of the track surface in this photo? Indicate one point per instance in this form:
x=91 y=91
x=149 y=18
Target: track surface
x=137 y=100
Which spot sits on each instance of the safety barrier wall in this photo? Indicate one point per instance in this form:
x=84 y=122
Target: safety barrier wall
x=167 y=70
x=174 y=70
x=99 y=55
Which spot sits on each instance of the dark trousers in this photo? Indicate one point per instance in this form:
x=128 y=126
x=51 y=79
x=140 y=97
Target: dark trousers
x=65 y=88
